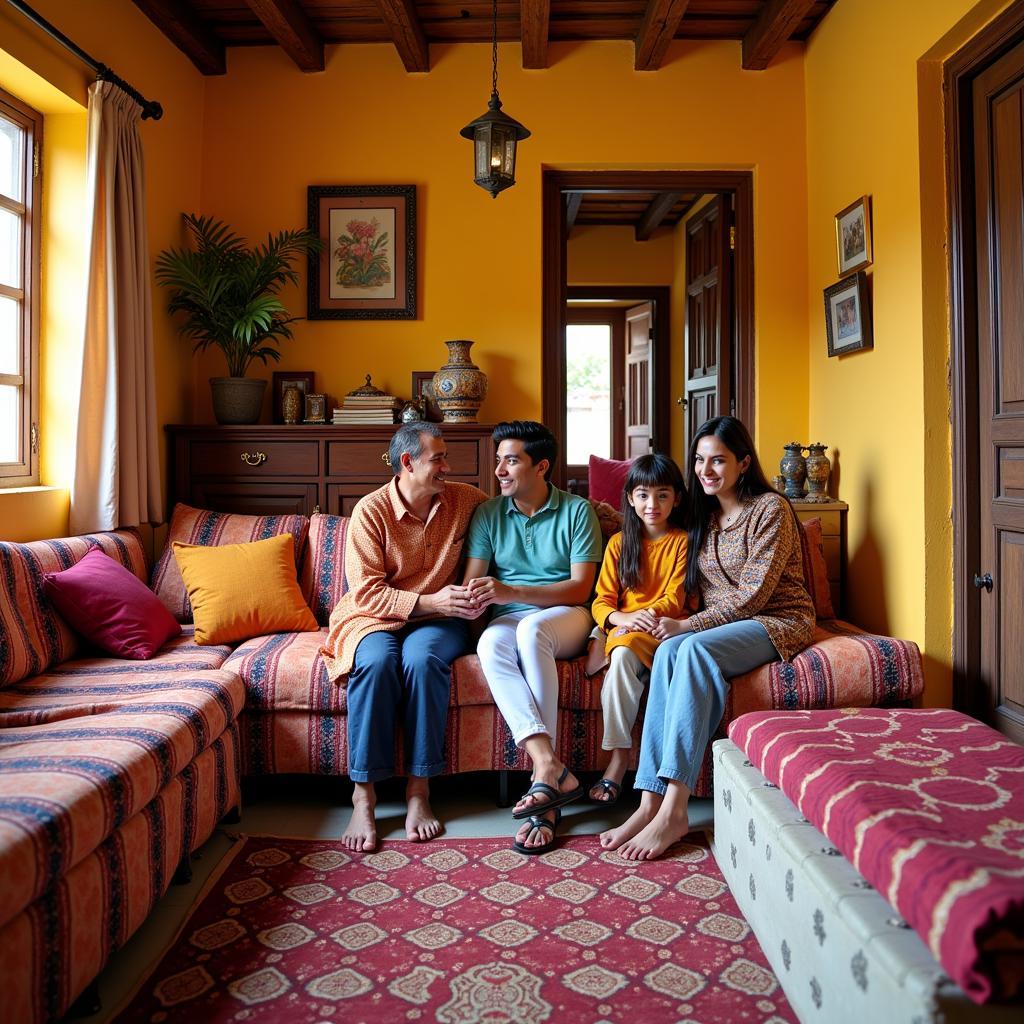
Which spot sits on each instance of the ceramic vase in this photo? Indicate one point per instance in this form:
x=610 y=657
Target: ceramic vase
x=818 y=469
x=460 y=385
x=291 y=404
x=793 y=467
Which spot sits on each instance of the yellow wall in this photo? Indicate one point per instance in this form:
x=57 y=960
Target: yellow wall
x=364 y=120
x=874 y=126
x=599 y=254
x=48 y=77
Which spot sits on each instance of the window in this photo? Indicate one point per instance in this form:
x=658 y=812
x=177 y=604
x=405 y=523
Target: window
x=588 y=392
x=21 y=130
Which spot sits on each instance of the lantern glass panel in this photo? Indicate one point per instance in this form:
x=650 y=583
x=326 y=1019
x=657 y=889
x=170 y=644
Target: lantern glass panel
x=481 y=149
x=509 y=162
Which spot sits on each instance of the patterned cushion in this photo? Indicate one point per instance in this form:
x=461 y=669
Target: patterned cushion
x=323 y=568
x=285 y=672
x=815 y=570
x=32 y=635
x=66 y=786
x=211 y=529
x=928 y=806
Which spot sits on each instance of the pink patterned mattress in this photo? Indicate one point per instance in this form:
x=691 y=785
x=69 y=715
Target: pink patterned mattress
x=928 y=805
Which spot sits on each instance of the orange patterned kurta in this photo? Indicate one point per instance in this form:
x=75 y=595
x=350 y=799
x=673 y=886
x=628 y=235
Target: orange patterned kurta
x=391 y=558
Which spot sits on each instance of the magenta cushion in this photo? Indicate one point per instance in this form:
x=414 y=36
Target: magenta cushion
x=111 y=607
x=606 y=478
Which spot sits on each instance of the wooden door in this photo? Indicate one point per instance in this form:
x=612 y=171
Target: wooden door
x=639 y=412
x=710 y=362
x=999 y=169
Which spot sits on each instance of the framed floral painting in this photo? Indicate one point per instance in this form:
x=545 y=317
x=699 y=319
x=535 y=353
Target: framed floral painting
x=367 y=269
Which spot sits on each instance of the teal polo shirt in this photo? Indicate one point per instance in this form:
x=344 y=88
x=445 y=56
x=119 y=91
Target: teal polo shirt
x=531 y=551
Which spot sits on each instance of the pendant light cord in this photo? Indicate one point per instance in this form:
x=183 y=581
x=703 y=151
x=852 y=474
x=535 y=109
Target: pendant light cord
x=494 y=48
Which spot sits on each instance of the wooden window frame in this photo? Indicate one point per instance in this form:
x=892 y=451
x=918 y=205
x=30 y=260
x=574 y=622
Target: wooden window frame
x=25 y=470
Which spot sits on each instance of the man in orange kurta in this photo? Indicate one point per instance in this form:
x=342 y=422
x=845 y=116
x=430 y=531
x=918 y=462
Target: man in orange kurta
x=401 y=624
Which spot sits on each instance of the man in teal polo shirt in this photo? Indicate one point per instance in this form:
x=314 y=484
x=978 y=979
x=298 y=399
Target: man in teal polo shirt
x=532 y=556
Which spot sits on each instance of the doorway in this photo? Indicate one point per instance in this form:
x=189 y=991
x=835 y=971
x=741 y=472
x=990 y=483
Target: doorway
x=985 y=160
x=559 y=190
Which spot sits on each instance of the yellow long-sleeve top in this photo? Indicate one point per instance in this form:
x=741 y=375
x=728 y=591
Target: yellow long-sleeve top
x=662 y=589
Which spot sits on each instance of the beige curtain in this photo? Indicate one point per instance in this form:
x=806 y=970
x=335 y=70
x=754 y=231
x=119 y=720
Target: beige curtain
x=117 y=466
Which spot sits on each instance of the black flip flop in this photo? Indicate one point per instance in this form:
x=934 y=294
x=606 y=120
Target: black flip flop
x=611 y=787
x=558 y=798
x=538 y=822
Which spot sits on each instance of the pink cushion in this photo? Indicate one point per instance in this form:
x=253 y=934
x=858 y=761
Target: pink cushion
x=606 y=478
x=815 y=569
x=110 y=607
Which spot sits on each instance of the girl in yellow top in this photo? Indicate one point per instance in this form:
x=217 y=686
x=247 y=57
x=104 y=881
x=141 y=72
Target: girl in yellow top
x=642 y=578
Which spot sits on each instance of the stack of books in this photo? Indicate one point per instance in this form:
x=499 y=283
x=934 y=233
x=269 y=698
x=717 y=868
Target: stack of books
x=378 y=408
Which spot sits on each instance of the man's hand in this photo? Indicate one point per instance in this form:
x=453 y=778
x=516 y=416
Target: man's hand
x=453 y=601
x=666 y=627
x=486 y=590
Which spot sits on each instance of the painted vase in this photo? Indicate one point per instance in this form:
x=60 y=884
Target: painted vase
x=291 y=404
x=818 y=469
x=793 y=467
x=460 y=386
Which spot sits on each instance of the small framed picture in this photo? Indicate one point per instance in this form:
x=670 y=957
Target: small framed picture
x=302 y=379
x=853 y=236
x=848 y=315
x=423 y=392
x=316 y=409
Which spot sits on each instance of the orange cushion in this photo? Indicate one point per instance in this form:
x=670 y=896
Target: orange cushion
x=239 y=591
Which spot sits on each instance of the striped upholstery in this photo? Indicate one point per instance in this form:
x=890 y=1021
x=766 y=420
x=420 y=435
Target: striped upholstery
x=212 y=529
x=53 y=948
x=32 y=635
x=323 y=568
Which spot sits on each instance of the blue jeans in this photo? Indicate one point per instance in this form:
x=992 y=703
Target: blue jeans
x=686 y=698
x=409 y=669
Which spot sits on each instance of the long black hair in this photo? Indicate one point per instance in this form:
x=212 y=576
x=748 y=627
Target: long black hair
x=653 y=470
x=735 y=436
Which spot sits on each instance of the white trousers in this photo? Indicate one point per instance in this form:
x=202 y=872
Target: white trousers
x=621 y=690
x=517 y=652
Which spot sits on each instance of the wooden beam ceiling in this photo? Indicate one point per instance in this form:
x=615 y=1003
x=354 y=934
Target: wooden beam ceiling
x=287 y=22
x=534 y=16
x=655 y=214
x=406 y=33
x=657 y=30
x=778 y=20
x=187 y=32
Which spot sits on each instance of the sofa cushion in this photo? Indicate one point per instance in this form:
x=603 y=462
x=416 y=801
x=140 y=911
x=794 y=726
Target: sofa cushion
x=32 y=635
x=815 y=570
x=212 y=529
x=606 y=479
x=238 y=591
x=323 y=567
x=67 y=785
x=111 y=607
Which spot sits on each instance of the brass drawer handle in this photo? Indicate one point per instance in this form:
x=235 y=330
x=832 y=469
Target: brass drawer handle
x=386 y=459
x=253 y=458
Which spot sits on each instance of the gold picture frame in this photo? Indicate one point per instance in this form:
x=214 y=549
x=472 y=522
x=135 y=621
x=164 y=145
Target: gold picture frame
x=853 y=236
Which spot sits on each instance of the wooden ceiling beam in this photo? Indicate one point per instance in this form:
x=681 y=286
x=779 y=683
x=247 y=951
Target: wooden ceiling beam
x=534 y=16
x=655 y=214
x=572 y=208
x=188 y=34
x=657 y=30
x=291 y=28
x=406 y=33
x=778 y=21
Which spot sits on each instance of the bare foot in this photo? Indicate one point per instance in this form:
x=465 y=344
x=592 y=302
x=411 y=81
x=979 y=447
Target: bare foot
x=651 y=842
x=548 y=773
x=361 y=834
x=635 y=823
x=613 y=773
x=420 y=823
x=530 y=835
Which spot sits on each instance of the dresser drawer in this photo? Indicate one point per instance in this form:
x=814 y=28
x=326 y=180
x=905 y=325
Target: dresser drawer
x=366 y=459
x=255 y=458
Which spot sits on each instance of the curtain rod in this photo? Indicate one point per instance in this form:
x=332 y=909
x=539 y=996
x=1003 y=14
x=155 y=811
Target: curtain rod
x=150 y=108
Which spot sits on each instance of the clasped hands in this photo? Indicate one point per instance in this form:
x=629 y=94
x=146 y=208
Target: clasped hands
x=661 y=627
x=470 y=600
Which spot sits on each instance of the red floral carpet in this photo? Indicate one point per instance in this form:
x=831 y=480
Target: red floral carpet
x=459 y=931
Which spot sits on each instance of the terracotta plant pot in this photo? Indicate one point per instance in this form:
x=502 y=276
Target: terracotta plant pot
x=237 y=399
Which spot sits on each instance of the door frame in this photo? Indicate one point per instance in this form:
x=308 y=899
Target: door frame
x=738 y=184
x=959 y=72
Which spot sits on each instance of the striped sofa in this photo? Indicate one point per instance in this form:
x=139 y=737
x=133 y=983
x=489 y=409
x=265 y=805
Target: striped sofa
x=113 y=772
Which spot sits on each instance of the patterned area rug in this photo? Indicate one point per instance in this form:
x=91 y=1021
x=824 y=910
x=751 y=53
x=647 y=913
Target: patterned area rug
x=459 y=931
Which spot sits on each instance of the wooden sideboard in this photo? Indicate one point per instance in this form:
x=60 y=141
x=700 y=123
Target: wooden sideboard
x=833 y=536
x=277 y=470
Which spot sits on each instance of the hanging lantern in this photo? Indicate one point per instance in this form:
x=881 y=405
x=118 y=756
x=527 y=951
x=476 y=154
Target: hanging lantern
x=494 y=133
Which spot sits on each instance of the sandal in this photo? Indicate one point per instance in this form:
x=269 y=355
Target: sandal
x=538 y=822
x=558 y=798
x=611 y=787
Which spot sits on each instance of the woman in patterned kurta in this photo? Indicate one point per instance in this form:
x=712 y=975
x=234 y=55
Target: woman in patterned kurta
x=744 y=545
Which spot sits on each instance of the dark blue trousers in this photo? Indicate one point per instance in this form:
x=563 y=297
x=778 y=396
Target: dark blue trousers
x=406 y=673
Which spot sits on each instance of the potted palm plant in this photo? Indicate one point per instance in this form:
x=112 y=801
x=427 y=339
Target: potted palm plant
x=229 y=295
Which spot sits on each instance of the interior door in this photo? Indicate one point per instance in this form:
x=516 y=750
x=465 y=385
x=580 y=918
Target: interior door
x=709 y=345
x=639 y=411
x=999 y=168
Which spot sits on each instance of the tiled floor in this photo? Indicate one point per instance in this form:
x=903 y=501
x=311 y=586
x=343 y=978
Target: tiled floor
x=318 y=807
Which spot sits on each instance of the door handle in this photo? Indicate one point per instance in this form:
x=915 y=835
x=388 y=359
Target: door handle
x=681 y=401
x=983 y=581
